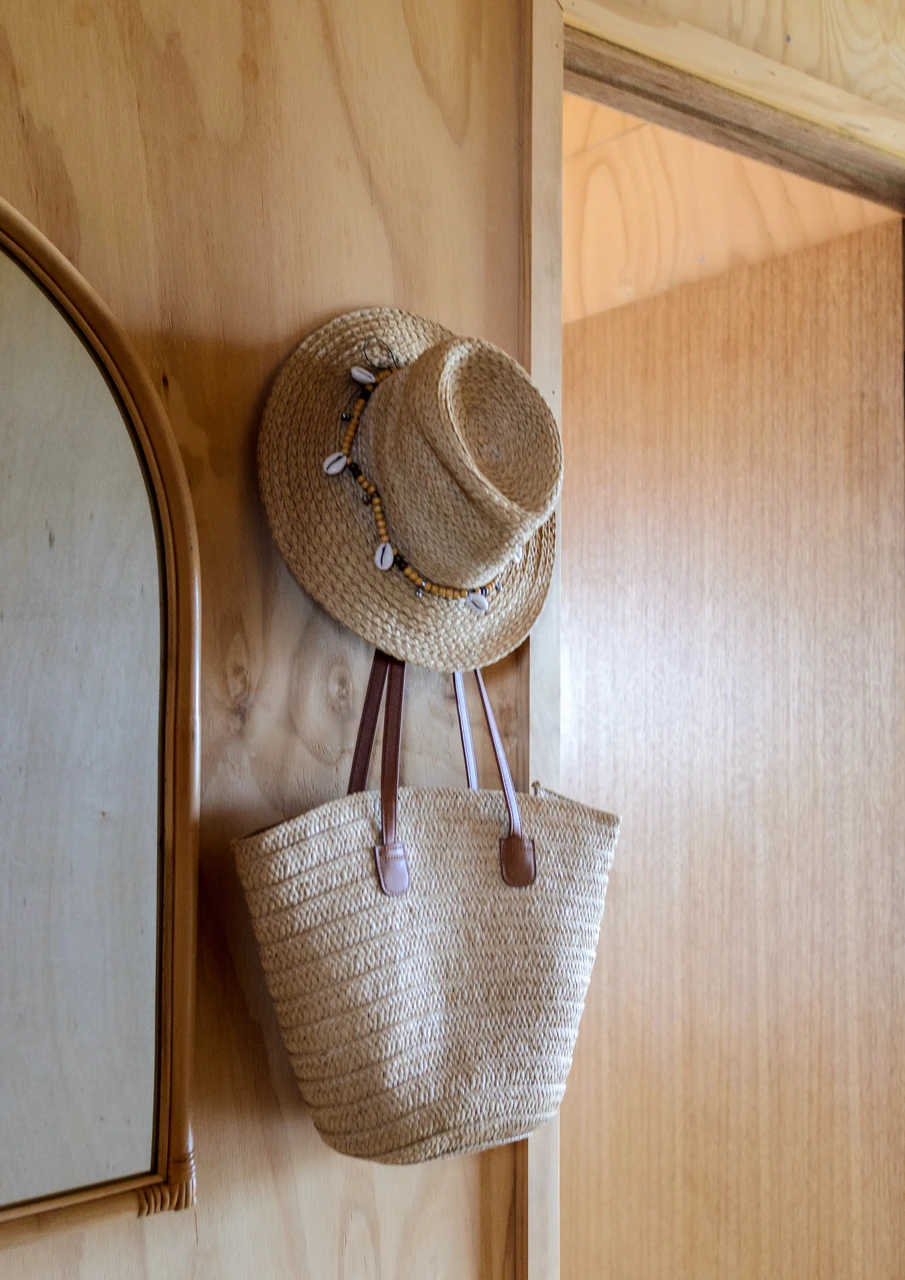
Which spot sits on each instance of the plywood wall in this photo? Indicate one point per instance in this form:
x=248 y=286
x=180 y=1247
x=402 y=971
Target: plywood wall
x=228 y=175
x=646 y=209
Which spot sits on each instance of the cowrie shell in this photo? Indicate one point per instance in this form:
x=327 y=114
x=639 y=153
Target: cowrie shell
x=479 y=603
x=363 y=376
x=383 y=557
x=335 y=465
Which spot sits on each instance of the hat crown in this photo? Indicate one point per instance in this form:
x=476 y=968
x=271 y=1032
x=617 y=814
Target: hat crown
x=467 y=457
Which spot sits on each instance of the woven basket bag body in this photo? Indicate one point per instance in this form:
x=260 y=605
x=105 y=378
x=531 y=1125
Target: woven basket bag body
x=436 y=1015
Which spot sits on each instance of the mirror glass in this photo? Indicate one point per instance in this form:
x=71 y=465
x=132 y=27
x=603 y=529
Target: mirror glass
x=80 y=715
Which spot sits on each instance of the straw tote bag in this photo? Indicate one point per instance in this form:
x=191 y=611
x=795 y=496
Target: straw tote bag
x=429 y=951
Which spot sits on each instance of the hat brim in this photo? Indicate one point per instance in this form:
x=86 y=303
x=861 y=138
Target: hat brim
x=325 y=532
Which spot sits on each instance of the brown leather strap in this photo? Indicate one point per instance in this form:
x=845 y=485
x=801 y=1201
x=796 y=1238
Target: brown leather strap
x=517 y=860
x=517 y=857
x=471 y=764
x=392 y=740
x=390 y=854
x=367 y=728
x=364 y=743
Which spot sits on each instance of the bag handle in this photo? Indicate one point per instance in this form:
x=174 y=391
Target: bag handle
x=392 y=862
x=367 y=728
x=517 y=856
x=471 y=764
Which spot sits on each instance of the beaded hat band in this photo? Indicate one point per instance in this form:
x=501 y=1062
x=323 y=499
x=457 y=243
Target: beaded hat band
x=410 y=478
x=387 y=556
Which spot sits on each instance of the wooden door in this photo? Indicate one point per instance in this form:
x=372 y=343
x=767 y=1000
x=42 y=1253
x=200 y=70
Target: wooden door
x=733 y=681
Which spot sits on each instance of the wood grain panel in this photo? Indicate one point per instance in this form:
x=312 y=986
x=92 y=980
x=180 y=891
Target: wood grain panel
x=648 y=209
x=734 y=686
x=586 y=123
x=228 y=176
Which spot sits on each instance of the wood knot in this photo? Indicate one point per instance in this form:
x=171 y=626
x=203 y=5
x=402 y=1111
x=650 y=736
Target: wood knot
x=340 y=690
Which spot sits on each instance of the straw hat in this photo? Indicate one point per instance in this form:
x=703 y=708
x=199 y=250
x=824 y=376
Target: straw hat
x=413 y=498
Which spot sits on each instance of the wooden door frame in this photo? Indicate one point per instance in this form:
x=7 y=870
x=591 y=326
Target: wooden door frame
x=639 y=84
x=537 y=681
x=656 y=72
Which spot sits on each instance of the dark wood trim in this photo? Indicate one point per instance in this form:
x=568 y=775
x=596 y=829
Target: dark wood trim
x=171 y=1183
x=654 y=91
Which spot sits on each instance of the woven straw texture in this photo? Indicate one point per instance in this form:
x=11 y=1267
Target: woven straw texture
x=468 y=460
x=443 y=1021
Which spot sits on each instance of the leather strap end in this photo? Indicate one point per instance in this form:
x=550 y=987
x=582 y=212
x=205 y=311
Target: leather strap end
x=392 y=868
x=517 y=861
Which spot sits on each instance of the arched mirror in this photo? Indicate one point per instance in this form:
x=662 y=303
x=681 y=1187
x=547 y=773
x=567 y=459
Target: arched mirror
x=98 y=758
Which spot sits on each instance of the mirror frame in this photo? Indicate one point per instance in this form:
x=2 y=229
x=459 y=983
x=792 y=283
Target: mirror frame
x=171 y=1182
